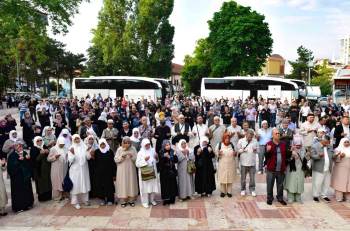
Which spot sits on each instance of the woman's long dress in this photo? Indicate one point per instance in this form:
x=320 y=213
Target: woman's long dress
x=186 y=180
x=21 y=186
x=42 y=174
x=126 y=182
x=294 y=181
x=59 y=168
x=205 y=173
x=105 y=170
x=3 y=194
x=168 y=174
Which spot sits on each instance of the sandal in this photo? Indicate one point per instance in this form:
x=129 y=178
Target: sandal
x=123 y=205
x=132 y=204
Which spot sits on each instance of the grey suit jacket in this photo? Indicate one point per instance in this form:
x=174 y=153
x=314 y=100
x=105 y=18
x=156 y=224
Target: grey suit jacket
x=317 y=161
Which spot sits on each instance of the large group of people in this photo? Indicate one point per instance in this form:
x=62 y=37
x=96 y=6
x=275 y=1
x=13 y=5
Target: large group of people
x=115 y=150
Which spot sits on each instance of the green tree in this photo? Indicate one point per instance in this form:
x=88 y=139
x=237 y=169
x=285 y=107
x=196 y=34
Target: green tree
x=323 y=78
x=300 y=68
x=238 y=44
x=23 y=33
x=240 y=40
x=196 y=67
x=133 y=37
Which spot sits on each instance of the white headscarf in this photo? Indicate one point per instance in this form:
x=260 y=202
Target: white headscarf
x=179 y=146
x=342 y=149
x=68 y=139
x=62 y=151
x=203 y=139
x=147 y=152
x=11 y=136
x=86 y=142
x=103 y=116
x=133 y=138
x=35 y=142
x=79 y=150
x=103 y=141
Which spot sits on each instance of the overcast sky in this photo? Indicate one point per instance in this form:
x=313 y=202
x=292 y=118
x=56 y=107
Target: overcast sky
x=316 y=24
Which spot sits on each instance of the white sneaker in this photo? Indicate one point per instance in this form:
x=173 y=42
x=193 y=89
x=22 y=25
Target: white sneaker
x=260 y=172
x=109 y=203
x=145 y=205
x=154 y=203
x=102 y=203
x=253 y=194
x=242 y=193
x=77 y=206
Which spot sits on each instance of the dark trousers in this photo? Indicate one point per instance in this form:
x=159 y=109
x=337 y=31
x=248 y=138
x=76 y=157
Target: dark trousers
x=271 y=177
x=251 y=124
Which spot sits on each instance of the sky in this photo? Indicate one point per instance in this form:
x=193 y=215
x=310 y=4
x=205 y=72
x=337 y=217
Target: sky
x=315 y=24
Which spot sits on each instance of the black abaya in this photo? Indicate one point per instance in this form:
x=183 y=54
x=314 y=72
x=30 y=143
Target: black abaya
x=21 y=186
x=168 y=174
x=205 y=173
x=105 y=170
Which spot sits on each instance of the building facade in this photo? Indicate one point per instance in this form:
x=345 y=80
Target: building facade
x=274 y=66
x=345 y=50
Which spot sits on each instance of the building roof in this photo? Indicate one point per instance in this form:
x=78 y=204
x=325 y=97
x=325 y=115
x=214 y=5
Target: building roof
x=276 y=56
x=176 y=69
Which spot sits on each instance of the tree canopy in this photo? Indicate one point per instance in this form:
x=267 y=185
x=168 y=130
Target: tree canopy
x=133 y=37
x=24 y=34
x=323 y=77
x=239 y=42
x=300 y=67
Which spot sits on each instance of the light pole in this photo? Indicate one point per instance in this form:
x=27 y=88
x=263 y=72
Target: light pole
x=310 y=65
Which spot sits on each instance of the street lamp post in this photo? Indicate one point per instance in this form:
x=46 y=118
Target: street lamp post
x=310 y=65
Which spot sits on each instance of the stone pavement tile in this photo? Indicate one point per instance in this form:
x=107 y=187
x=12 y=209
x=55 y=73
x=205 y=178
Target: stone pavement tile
x=269 y=213
x=160 y=212
x=69 y=210
x=21 y=219
x=196 y=203
x=87 y=222
x=198 y=224
x=197 y=213
x=249 y=209
x=216 y=218
x=179 y=213
x=341 y=209
x=179 y=205
x=289 y=212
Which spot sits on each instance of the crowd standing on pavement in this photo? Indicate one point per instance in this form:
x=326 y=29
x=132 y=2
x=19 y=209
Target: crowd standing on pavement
x=115 y=150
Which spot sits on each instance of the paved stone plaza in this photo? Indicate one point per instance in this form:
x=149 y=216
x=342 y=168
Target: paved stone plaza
x=215 y=213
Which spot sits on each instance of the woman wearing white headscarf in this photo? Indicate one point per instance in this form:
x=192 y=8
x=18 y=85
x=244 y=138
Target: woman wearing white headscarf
x=67 y=137
x=135 y=139
x=41 y=169
x=79 y=172
x=101 y=123
x=59 y=165
x=126 y=183
x=186 y=179
x=8 y=146
x=146 y=162
x=340 y=179
x=294 y=180
x=105 y=170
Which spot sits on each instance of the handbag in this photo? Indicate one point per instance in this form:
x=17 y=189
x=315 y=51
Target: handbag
x=191 y=167
x=67 y=184
x=147 y=173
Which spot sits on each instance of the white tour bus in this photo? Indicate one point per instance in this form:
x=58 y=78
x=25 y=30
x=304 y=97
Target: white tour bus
x=242 y=87
x=131 y=87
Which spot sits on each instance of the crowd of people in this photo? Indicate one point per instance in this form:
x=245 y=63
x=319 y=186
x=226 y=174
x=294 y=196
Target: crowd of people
x=116 y=150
